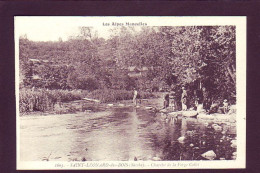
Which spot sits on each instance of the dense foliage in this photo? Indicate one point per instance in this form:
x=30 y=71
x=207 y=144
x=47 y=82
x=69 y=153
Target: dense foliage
x=191 y=56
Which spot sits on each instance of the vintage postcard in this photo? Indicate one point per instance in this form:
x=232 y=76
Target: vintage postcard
x=130 y=92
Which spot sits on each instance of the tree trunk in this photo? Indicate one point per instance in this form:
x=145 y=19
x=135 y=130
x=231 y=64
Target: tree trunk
x=233 y=75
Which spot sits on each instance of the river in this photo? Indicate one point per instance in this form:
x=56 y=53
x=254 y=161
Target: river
x=121 y=134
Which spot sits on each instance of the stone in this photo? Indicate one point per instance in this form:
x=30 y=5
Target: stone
x=232 y=109
x=214 y=125
x=200 y=108
x=173 y=113
x=233 y=157
x=233 y=143
x=217 y=128
x=156 y=158
x=148 y=107
x=181 y=139
x=210 y=155
x=189 y=113
x=163 y=110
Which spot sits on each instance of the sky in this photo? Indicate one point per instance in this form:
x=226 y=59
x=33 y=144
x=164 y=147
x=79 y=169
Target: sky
x=53 y=28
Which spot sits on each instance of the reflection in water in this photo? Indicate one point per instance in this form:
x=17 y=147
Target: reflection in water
x=122 y=134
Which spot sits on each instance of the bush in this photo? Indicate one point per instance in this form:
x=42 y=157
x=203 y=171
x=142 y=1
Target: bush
x=44 y=100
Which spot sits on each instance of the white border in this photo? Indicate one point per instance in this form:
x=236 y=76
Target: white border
x=239 y=22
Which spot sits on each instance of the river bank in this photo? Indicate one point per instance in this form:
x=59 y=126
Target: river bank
x=46 y=101
x=151 y=104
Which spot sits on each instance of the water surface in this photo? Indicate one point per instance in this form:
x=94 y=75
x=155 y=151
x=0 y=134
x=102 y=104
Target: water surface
x=121 y=134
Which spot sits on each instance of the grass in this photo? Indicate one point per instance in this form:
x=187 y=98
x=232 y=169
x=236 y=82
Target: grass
x=44 y=100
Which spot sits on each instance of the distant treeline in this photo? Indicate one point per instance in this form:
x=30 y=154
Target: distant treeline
x=191 y=56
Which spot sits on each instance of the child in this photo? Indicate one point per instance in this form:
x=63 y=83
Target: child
x=134 y=98
x=166 y=101
x=225 y=106
x=196 y=99
x=172 y=102
x=184 y=99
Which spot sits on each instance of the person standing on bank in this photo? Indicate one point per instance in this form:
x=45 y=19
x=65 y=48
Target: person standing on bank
x=135 y=97
x=206 y=99
x=184 y=99
x=172 y=101
x=196 y=99
x=166 y=101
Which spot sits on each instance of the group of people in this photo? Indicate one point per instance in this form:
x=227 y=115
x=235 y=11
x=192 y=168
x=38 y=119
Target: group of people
x=201 y=98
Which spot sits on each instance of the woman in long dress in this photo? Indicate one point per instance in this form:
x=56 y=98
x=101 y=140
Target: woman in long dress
x=184 y=99
x=134 y=98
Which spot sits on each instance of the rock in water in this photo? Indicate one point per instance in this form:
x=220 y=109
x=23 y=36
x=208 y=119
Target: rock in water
x=189 y=113
x=181 y=139
x=148 y=107
x=218 y=128
x=163 y=110
x=156 y=158
x=200 y=108
x=210 y=155
x=233 y=157
x=232 y=109
x=233 y=143
x=214 y=125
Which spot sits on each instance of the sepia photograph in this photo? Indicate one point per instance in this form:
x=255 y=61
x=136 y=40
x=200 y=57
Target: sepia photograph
x=130 y=92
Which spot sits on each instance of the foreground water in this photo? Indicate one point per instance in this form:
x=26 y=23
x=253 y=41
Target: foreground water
x=121 y=134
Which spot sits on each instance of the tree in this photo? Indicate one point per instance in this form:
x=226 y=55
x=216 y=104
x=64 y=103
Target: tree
x=205 y=54
x=221 y=56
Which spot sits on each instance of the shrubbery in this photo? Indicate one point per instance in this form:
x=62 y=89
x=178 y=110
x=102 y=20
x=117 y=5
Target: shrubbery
x=44 y=100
